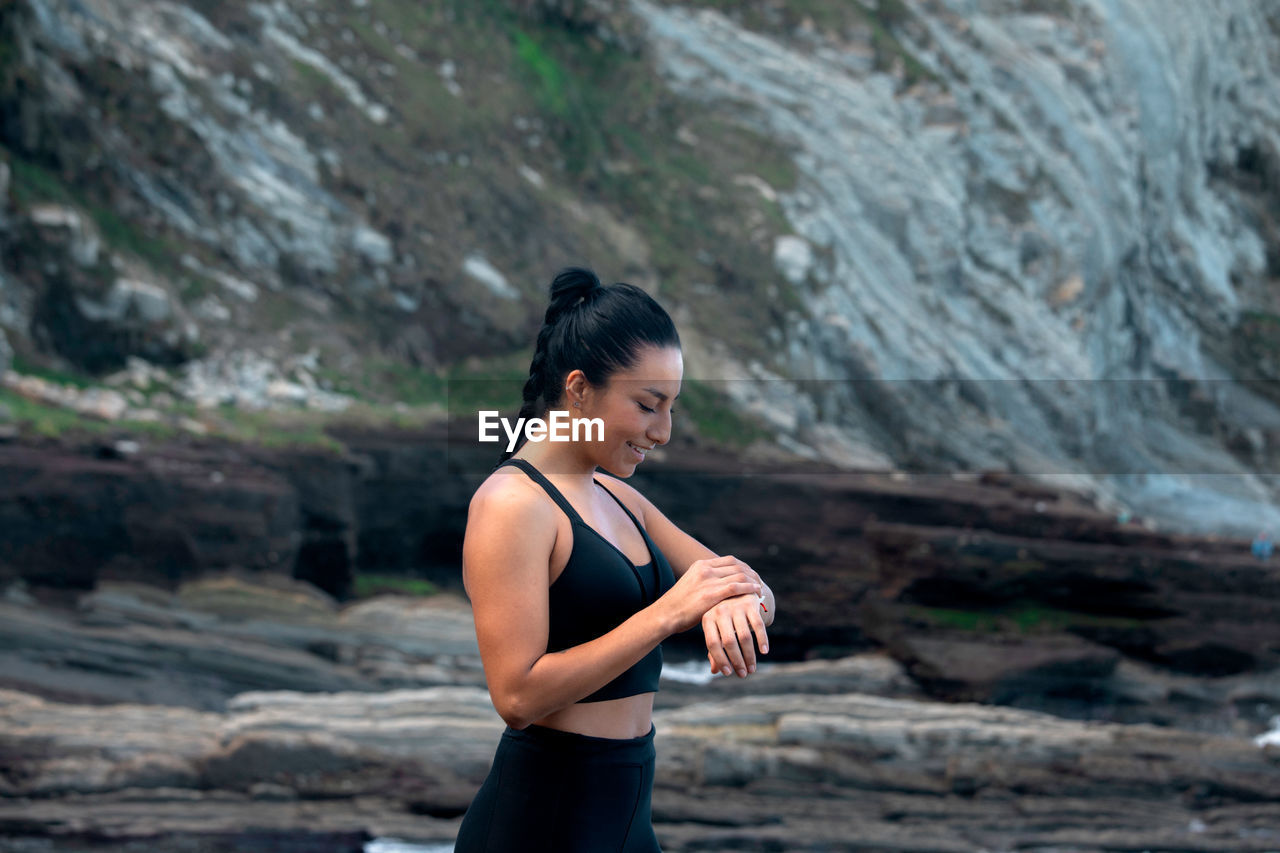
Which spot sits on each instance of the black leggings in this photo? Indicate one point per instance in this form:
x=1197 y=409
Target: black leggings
x=552 y=791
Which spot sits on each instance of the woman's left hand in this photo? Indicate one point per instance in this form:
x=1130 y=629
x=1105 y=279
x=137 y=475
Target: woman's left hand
x=728 y=627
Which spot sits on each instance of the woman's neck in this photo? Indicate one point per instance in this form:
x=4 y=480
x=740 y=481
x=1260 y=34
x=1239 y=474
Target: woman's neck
x=565 y=459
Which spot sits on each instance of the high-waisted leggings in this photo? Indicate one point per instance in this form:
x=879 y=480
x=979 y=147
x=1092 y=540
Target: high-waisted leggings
x=552 y=791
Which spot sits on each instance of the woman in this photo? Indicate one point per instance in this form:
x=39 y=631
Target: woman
x=575 y=579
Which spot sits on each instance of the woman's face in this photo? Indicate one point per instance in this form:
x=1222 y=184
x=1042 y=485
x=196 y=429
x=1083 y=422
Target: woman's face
x=636 y=407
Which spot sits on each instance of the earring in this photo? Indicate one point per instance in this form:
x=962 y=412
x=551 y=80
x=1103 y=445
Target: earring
x=577 y=405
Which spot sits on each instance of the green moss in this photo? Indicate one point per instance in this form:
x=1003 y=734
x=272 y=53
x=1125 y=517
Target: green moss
x=767 y=16
x=8 y=50
x=1262 y=318
x=122 y=235
x=1022 y=565
x=32 y=184
x=367 y=585
x=310 y=78
x=617 y=126
x=408 y=384
x=41 y=419
x=549 y=78
x=469 y=392
x=608 y=129
x=380 y=380
x=297 y=430
x=47 y=421
x=714 y=418
x=375 y=417
x=964 y=620
x=1022 y=617
x=25 y=366
x=1055 y=8
x=1259 y=333
x=564 y=79
x=293 y=429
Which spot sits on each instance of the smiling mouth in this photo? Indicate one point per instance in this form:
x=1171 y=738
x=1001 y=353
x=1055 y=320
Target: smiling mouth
x=641 y=450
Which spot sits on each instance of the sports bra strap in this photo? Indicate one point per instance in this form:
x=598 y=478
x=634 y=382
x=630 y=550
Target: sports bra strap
x=560 y=499
x=624 y=509
x=551 y=490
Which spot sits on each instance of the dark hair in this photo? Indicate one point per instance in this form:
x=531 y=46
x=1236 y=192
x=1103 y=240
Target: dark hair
x=593 y=328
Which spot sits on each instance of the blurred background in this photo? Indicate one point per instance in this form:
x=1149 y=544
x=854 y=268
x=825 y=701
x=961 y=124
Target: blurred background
x=980 y=310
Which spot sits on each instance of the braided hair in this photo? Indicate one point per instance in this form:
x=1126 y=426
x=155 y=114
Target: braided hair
x=590 y=327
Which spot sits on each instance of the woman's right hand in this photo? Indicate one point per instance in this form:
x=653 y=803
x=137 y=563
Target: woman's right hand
x=704 y=585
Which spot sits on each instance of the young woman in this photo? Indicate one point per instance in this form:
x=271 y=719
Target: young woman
x=575 y=578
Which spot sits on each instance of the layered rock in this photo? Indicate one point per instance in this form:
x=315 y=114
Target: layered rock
x=1020 y=241
x=70 y=518
x=836 y=772
x=995 y=589
x=221 y=635
x=1030 y=235
x=306 y=514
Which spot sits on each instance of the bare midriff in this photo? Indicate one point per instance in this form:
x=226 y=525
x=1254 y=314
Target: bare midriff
x=628 y=717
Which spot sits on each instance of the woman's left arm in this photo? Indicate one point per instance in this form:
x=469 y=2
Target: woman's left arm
x=729 y=625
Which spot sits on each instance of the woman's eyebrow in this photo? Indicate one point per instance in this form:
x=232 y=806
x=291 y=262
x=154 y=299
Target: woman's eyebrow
x=662 y=398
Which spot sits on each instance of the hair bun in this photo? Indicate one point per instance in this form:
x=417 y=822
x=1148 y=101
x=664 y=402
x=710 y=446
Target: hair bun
x=570 y=288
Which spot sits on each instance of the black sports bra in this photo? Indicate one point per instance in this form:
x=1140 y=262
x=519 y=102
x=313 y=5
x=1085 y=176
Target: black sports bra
x=599 y=589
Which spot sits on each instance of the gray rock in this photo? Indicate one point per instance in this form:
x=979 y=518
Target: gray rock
x=1092 y=142
x=794 y=771
x=69 y=228
x=128 y=299
x=4 y=194
x=794 y=257
x=219 y=635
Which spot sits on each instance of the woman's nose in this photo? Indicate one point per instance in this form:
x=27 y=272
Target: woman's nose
x=660 y=433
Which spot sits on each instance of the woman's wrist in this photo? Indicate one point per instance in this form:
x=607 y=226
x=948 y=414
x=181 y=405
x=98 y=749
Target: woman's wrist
x=665 y=620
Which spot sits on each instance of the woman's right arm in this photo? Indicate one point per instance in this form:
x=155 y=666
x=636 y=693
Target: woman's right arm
x=505 y=559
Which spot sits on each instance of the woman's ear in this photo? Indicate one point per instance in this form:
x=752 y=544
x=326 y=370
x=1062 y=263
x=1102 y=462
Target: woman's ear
x=576 y=389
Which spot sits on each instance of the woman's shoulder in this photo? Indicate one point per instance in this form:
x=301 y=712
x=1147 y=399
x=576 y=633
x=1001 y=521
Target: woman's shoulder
x=510 y=494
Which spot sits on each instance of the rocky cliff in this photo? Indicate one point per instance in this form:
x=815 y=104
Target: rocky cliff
x=1035 y=234
x=941 y=235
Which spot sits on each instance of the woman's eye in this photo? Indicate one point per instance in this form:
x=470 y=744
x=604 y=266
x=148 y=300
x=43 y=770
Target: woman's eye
x=646 y=408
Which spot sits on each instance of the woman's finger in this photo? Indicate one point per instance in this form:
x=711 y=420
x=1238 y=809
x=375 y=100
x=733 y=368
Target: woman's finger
x=757 y=625
x=748 y=571
x=715 y=647
x=729 y=637
x=727 y=564
x=742 y=629
x=736 y=588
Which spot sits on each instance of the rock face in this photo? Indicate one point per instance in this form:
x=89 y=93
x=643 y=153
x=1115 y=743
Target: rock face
x=164 y=512
x=6 y=351
x=799 y=772
x=1033 y=256
x=224 y=634
x=995 y=589
x=69 y=518
x=1032 y=235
